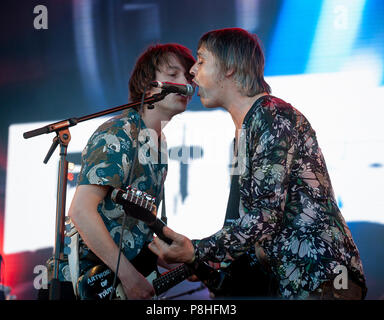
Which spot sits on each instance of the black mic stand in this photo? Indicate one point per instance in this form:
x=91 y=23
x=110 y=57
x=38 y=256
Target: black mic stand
x=63 y=138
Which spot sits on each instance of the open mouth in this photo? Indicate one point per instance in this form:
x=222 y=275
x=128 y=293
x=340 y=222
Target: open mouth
x=196 y=86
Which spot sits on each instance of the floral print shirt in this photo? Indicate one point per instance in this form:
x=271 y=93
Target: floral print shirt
x=287 y=205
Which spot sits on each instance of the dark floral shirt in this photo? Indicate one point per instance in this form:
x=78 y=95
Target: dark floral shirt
x=287 y=205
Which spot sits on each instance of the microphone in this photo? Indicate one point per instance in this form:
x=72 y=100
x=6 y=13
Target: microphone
x=185 y=89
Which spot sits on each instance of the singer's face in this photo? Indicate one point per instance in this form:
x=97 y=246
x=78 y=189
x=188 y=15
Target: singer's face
x=173 y=71
x=208 y=77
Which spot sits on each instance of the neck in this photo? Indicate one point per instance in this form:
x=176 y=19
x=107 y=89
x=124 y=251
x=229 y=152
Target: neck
x=155 y=119
x=239 y=105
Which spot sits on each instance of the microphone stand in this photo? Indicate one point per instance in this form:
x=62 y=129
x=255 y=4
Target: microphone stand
x=63 y=137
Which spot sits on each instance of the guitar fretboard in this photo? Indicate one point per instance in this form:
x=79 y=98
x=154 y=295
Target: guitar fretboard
x=171 y=278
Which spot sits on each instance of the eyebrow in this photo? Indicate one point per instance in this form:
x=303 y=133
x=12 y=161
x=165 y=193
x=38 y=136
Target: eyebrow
x=200 y=54
x=169 y=68
x=172 y=67
x=202 y=51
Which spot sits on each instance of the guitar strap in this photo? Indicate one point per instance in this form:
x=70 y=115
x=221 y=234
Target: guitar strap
x=232 y=212
x=73 y=256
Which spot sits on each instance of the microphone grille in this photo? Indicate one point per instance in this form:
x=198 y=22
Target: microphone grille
x=190 y=90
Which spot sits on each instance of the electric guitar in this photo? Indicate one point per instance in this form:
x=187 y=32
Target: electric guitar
x=142 y=206
x=97 y=282
x=224 y=282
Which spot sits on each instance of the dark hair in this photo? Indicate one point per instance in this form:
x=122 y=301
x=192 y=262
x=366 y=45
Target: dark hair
x=239 y=50
x=151 y=60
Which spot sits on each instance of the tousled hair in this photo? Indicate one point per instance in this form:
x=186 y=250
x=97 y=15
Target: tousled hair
x=151 y=60
x=238 y=50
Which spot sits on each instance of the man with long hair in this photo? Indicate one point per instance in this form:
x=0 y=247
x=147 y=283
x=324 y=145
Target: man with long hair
x=281 y=212
x=114 y=158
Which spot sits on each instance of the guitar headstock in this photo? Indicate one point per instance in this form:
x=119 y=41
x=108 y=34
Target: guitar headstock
x=140 y=198
x=136 y=203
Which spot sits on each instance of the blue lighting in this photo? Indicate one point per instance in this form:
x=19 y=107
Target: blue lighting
x=335 y=35
x=292 y=38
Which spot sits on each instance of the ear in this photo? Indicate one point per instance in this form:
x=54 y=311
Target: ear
x=229 y=73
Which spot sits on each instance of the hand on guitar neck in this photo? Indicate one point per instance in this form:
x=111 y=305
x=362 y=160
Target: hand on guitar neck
x=180 y=249
x=173 y=246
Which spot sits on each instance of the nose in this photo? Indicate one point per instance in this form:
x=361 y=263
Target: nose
x=193 y=70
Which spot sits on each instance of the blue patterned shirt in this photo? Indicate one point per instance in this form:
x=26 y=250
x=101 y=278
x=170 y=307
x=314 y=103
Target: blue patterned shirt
x=107 y=161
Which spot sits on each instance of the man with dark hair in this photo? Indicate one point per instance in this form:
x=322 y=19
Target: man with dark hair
x=281 y=212
x=116 y=156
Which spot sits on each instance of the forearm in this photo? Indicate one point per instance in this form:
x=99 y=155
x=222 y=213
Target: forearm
x=87 y=220
x=96 y=236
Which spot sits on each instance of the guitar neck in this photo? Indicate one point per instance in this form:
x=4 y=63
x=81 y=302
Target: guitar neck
x=171 y=278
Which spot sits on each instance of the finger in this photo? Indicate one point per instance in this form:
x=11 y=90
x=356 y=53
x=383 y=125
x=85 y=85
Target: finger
x=160 y=248
x=160 y=244
x=169 y=233
x=153 y=247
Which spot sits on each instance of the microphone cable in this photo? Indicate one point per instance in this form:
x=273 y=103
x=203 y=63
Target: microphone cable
x=130 y=182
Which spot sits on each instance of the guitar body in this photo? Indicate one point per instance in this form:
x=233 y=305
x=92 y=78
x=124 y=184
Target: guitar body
x=97 y=282
x=242 y=278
